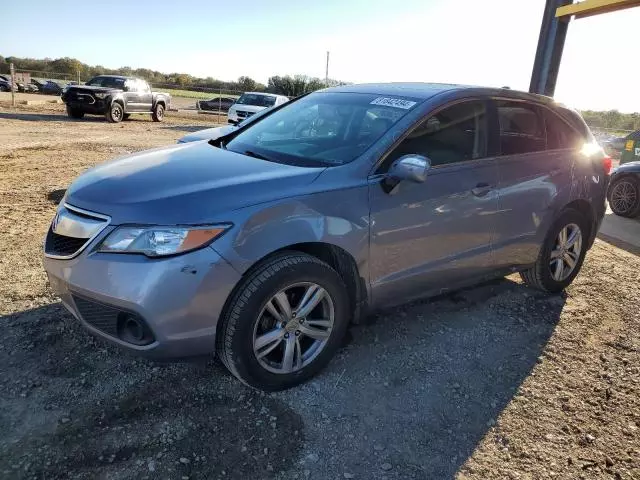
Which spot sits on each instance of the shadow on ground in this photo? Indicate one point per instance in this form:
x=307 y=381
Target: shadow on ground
x=410 y=396
x=58 y=117
x=48 y=117
x=55 y=196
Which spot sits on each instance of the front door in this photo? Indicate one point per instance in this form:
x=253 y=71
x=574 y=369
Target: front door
x=131 y=95
x=432 y=236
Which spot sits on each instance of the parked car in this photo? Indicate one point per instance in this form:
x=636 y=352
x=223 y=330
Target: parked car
x=116 y=97
x=27 y=87
x=624 y=190
x=252 y=102
x=217 y=132
x=39 y=83
x=218 y=104
x=52 y=88
x=5 y=86
x=263 y=245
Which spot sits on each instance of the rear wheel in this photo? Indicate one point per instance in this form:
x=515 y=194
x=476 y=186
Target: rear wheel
x=158 y=113
x=624 y=197
x=561 y=255
x=74 y=112
x=115 y=114
x=284 y=323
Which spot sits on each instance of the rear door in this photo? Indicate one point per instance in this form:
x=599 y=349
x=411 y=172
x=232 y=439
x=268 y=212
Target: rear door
x=535 y=176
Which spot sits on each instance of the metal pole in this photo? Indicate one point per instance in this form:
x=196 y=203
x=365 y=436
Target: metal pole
x=12 y=69
x=326 y=74
x=78 y=77
x=553 y=32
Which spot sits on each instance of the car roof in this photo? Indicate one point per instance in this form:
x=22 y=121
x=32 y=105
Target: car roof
x=266 y=93
x=427 y=90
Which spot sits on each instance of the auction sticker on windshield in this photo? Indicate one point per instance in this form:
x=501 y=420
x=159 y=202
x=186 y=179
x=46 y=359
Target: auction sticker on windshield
x=394 y=102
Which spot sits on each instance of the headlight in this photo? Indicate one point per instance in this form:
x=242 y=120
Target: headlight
x=160 y=241
x=101 y=95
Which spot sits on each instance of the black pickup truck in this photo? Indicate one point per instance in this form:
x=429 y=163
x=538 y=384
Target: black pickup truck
x=116 y=98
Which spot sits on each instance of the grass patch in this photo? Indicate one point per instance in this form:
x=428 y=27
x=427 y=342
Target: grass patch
x=191 y=94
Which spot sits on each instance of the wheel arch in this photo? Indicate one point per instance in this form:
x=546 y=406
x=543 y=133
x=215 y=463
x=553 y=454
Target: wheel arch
x=336 y=257
x=585 y=209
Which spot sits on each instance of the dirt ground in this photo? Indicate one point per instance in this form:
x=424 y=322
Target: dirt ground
x=494 y=382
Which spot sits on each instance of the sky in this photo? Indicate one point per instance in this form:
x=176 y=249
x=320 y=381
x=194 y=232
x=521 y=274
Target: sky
x=488 y=42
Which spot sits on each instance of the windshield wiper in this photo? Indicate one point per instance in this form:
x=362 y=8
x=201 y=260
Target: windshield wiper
x=249 y=153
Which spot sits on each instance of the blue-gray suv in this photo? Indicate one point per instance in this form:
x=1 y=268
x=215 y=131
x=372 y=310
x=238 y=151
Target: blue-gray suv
x=262 y=245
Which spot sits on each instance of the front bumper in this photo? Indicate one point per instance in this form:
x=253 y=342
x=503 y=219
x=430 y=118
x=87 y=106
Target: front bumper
x=179 y=298
x=100 y=107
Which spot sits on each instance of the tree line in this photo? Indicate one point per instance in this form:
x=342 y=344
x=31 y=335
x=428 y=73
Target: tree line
x=290 y=85
x=612 y=119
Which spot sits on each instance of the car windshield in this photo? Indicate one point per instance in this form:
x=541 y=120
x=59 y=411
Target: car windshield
x=109 y=82
x=322 y=128
x=256 y=99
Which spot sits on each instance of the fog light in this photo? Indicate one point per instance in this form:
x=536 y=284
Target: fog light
x=132 y=329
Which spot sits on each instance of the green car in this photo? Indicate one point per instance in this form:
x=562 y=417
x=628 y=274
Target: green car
x=631 y=148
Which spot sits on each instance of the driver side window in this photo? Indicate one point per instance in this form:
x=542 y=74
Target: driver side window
x=455 y=134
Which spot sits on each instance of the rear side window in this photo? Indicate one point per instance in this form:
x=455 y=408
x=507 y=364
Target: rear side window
x=560 y=134
x=521 y=128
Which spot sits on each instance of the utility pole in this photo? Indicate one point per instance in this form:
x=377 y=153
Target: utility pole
x=326 y=72
x=12 y=69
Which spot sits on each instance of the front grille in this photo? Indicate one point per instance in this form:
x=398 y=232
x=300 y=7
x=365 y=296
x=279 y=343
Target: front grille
x=71 y=230
x=61 y=245
x=98 y=315
x=243 y=114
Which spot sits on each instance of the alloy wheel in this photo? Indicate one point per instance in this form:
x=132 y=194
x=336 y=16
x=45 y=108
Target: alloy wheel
x=293 y=327
x=623 y=197
x=566 y=252
x=116 y=112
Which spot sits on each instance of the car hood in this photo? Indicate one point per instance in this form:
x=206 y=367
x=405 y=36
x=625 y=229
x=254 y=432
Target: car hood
x=193 y=183
x=93 y=88
x=208 y=134
x=247 y=108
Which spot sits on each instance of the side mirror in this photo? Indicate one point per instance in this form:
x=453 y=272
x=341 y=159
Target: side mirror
x=412 y=168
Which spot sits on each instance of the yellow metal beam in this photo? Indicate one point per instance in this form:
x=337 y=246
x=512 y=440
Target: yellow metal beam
x=594 y=7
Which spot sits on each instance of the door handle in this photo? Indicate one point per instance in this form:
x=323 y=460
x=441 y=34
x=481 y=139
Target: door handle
x=481 y=189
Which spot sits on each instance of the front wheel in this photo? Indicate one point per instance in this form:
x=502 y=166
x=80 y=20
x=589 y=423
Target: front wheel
x=561 y=255
x=158 y=113
x=115 y=113
x=624 y=197
x=284 y=323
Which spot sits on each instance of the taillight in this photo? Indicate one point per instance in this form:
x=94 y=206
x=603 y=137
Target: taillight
x=607 y=164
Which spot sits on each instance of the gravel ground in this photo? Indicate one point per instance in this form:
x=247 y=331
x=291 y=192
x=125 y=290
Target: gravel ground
x=498 y=381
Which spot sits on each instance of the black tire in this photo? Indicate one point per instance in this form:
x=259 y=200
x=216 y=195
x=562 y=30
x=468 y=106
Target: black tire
x=158 y=113
x=126 y=116
x=75 y=113
x=115 y=113
x=624 y=196
x=540 y=276
x=235 y=339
